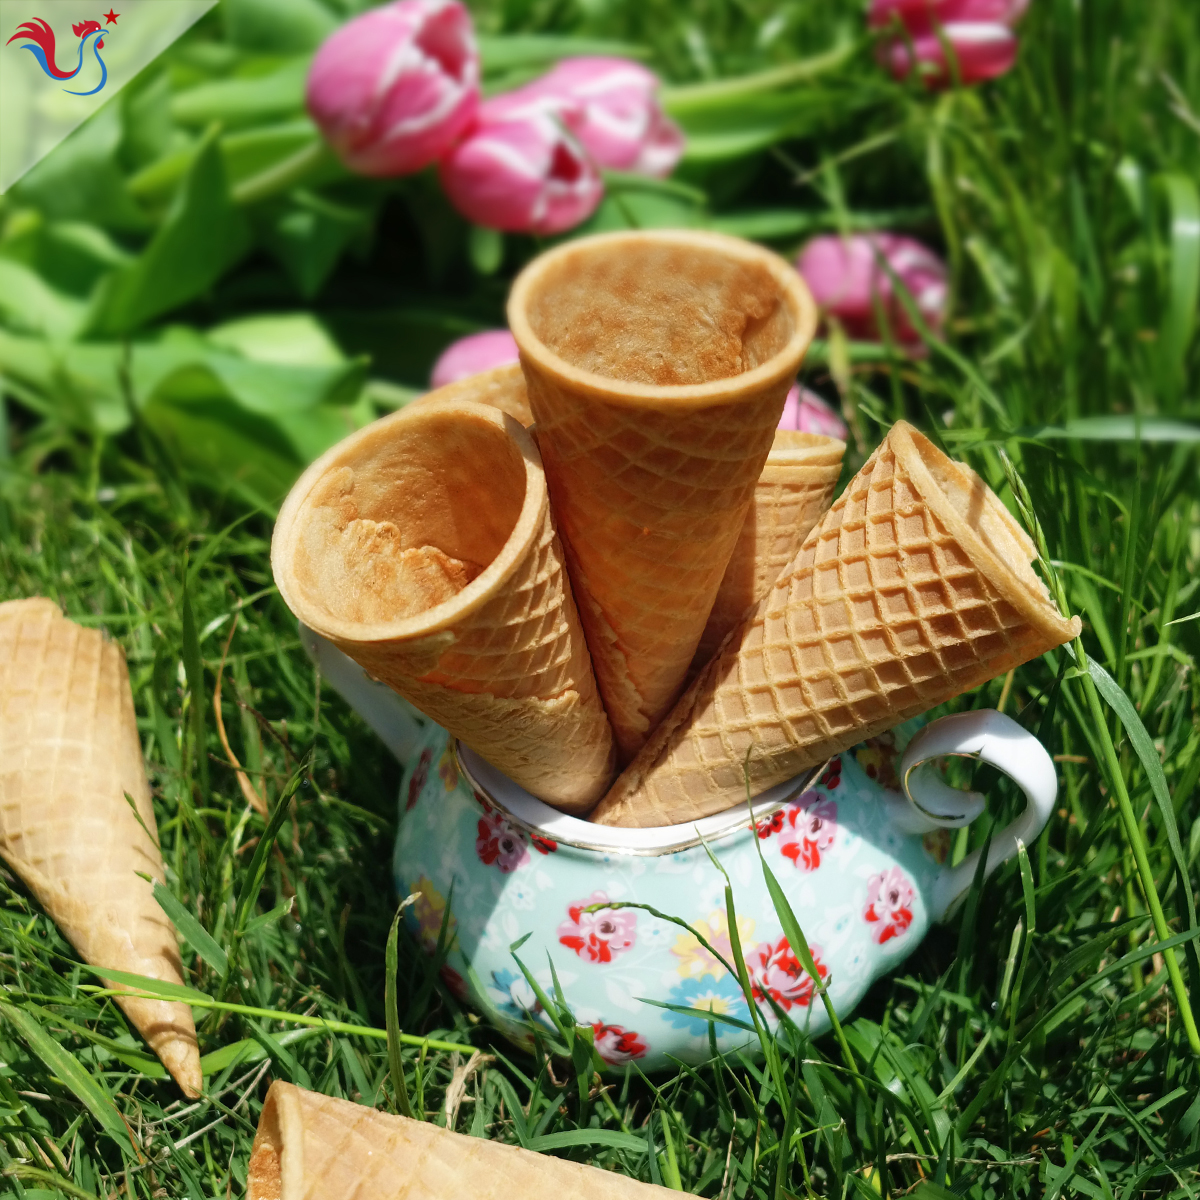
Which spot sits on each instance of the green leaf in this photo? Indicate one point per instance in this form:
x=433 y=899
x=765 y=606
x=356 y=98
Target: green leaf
x=250 y=1051
x=392 y=1017
x=27 y=302
x=28 y=1021
x=278 y=26
x=244 y=102
x=1143 y=746
x=523 y=51
x=202 y=236
x=569 y=1138
x=278 y=1053
x=160 y=989
x=81 y=178
x=193 y=667
x=1183 y=276
x=190 y=929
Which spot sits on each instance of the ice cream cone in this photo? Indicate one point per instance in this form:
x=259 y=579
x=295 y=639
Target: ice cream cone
x=422 y=546
x=792 y=494
x=310 y=1147
x=69 y=755
x=657 y=364
x=501 y=387
x=914 y=587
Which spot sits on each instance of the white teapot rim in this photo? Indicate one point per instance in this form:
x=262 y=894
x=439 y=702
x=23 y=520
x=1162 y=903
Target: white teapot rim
x=540 y=819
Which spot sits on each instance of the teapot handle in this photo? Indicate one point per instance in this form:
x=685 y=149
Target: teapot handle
x=992 y=738
x=393 y=719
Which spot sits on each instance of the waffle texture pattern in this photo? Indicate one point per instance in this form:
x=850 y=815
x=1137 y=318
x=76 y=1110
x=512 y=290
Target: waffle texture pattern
x=649 y=503
x=915 y=587
x=513 y=680
x=792 y=494
x=69 y=754
x=500 y=659
x=310 y=1146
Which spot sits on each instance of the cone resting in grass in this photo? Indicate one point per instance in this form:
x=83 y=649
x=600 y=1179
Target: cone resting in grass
x=657 y=365
x=69 y=754
x=309 y=1146
x=914 y=587
x=792 y=494
x=423 y=547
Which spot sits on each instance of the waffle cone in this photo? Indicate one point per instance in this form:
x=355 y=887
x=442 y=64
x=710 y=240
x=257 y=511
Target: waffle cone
x=501 y=387
x=657 y=364
x=792 y=494
x=309 y=1147
x=423 y=547
x=914 y=587
x=69 y=754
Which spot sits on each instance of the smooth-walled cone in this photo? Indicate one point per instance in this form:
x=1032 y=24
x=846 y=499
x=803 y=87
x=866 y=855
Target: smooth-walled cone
x=313 y=1147
x=793 y=493
x=501 y=387
x=914 y=587
x=69 y=755
x=423 y=547
x=657 y=364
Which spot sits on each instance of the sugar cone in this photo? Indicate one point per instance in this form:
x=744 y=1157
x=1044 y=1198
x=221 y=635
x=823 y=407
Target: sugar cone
x=313 y=1147
x=501 y=387
x=657 y=364
x=69 y=754
x=793 y=493
x=914 y=587
x=423 y=547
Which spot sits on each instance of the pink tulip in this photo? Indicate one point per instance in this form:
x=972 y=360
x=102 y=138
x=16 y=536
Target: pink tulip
x=395 y=88
x=807 y=412
x=611 y=106
x=521 y=173
x=847 y=281
x=472 y=354
x=979 y=31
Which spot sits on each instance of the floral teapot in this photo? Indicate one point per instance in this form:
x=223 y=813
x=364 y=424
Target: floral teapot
x=859 y=847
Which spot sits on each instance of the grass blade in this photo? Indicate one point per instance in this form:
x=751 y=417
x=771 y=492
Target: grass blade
x=191 y=930
x=392 y=1017
x=28 y=1020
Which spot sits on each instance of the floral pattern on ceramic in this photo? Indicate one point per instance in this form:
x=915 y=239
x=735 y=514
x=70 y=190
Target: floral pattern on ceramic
x=859 y=887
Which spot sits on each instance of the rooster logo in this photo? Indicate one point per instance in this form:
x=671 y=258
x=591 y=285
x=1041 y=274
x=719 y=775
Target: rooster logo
x=37 y=37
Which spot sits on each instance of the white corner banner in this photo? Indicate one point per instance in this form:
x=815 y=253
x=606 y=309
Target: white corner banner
x=60 y=60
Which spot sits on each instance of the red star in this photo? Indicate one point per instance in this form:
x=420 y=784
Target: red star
x=110 y=17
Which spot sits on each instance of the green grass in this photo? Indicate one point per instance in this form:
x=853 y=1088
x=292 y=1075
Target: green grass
x=1033 y=1045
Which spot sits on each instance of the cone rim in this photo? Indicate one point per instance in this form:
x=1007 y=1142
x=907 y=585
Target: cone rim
x=1029 y=596
x=730 y=390
x=478 y=592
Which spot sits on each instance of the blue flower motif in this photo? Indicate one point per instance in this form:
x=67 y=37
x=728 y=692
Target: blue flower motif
x=722 y=997
x=512 y=995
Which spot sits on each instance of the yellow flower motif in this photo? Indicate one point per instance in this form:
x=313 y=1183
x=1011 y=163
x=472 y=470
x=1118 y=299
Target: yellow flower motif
x=448 y=768
x=429 y=907
x=695 y=960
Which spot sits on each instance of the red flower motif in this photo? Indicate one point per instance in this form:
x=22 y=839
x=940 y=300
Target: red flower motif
x=617 y=1046
x=498 y=842
x=597 y=936
x=543 y=845
x=889 y=905
x=773 y=824
x=832 y=776
x=813 y=828
x=775 y=971
x=419 y=776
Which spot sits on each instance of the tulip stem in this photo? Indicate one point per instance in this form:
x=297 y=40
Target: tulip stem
x=282 y=175
x=679 y=101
